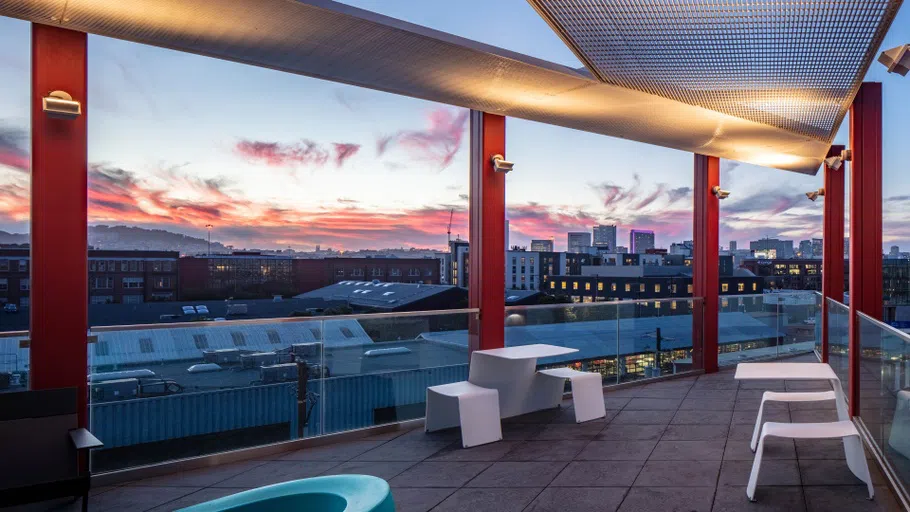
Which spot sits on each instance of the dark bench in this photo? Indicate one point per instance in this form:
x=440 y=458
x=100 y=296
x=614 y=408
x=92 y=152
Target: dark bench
x=44 y=451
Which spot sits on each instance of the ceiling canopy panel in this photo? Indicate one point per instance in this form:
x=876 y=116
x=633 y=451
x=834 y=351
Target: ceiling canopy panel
x=689 y=75
x=792 y=64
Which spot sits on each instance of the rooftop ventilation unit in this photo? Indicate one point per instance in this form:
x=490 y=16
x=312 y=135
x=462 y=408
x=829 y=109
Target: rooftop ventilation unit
x=308 y=351
x=222 y=356
x=278 y=373
x=203 y=368
x=258 y=359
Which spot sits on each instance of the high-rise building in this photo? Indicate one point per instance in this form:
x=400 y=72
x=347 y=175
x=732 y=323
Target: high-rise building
x=605 y=236
x=542 y=245
x=732 y=245
x=805 y=248
x=579 y=241
x=773 y=247
x=640 y=240
x=817 y=248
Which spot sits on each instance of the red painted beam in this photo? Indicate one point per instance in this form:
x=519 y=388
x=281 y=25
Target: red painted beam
x=705 y=279
x=486 y=256
x=59 y=203
x=832 y=243
x=865 y=221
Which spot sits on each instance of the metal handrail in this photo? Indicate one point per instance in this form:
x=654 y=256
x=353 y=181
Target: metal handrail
x=885 y=327
x=14 y=334
x=292 y=319
x=601 y=304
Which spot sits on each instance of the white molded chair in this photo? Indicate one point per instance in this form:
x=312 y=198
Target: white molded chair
x=775 y=396
x=846 y=430
x=474 y=408
x=587 y=392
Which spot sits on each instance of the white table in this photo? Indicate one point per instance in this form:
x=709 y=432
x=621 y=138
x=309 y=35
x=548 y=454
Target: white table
x=513 y=372
x=796 y=371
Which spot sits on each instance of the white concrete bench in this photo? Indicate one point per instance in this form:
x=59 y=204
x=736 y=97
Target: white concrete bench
x=587 y=392
x=775 y=396
x=475 y=409
x=853 y=446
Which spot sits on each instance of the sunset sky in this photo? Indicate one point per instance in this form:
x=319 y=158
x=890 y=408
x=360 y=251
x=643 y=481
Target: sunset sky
x=178 y=141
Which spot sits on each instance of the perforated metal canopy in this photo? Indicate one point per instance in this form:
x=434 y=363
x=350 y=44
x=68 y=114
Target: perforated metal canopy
x=793 y=64
x=721 y=95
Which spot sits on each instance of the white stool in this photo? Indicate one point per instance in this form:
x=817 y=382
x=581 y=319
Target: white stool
x=587 y=392
x=774 y=396
x=853 y=446
x=474 y=408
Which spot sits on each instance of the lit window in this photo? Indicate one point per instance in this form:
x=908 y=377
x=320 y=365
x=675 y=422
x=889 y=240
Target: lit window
x=725 y=303
x=574 y=285
x=552 y=285
x=641 y=287
x=724 y=287
x=588 y=287
x=673 y=304
x=741 y=287
x=656 y=288
x=754 y=287
x=656 y=304
x=628 y=287
x=563 y=285
x=613 y=287
x=690 y=289
x=600 y=287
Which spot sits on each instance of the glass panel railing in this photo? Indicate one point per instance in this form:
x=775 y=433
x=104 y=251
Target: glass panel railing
x=839 y=340
x=171 y=391
x=884 y=402
x=14 y=353
x=623 y=341
x=770 y=325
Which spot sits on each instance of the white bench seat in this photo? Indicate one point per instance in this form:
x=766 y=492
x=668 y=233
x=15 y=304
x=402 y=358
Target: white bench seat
x=776 y=396
x=846 y=430
x=474 y=408
x=587 y=392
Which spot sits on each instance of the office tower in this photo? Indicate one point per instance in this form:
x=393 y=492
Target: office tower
x=542 y=245
x=605 y=236
x=578 y=241
x=732 y=245
x=640 y=240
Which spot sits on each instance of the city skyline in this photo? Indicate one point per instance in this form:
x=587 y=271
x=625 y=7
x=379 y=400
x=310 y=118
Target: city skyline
x=301 y=162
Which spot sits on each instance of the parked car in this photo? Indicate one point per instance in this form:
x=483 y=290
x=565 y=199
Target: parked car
x=189 y=310
x=202 y=310
x=10 y=308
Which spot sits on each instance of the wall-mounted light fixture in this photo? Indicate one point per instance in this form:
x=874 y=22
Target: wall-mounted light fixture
x=500 y=164
x=815 y=194
x=835 y=162
x=61 y=105
x=720 y=193
x=897 y=60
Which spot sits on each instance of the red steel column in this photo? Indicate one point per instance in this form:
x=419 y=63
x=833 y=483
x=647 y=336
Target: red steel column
x=705 y=279
x=865 y=220
x=487 y=253
x=59 y=277
x=832 y=242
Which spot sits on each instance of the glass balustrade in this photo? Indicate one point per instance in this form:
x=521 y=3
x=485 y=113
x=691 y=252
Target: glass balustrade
x=170 y=391
x=14 y=362
x=623 y=341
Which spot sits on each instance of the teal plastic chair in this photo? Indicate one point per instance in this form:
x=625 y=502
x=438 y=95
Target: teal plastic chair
x=341 y=493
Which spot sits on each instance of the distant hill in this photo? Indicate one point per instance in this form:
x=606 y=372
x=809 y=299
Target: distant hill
x=135 y=238
x=13 y=238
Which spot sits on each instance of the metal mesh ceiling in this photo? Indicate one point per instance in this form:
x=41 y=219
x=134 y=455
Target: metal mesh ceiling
x=792 y=64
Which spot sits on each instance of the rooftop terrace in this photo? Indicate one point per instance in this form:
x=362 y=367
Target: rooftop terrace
x=679 y=444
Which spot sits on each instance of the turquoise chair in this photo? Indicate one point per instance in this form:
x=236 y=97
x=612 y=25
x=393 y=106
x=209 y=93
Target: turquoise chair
x=341 y=493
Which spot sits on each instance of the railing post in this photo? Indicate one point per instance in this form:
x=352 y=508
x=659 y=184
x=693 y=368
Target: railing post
x=865 y=221
x=487 y=252
x=59 y=218
x=705 y=255
x=832 y=244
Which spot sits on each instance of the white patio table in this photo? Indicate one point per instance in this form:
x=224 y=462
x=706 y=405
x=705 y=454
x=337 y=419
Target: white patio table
x=513 y=372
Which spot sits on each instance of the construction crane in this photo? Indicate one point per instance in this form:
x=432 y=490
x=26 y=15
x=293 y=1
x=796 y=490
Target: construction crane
x=449 y=230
